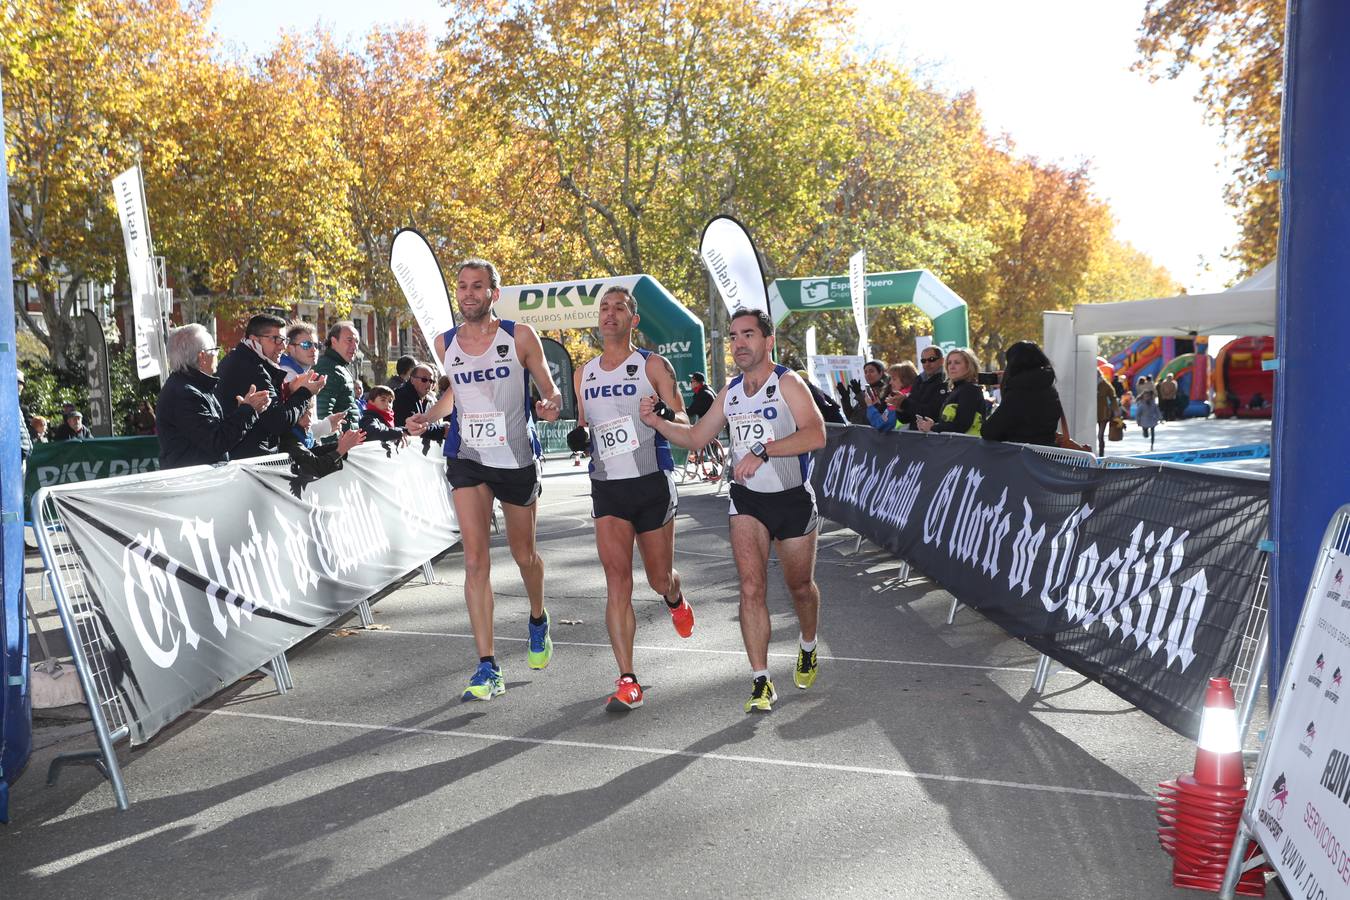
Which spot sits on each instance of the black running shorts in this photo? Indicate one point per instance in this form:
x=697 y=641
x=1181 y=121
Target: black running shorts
x=786 y=514
x=519 y=487
x=648 y=501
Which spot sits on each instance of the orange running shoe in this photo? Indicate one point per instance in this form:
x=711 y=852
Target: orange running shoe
x=682 y=617
x=628 y=696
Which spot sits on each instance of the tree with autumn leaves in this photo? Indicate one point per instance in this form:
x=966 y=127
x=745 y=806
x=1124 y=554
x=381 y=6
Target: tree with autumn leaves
x=562 y=138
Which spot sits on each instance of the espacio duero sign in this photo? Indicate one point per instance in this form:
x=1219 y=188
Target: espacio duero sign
x=1140 y=578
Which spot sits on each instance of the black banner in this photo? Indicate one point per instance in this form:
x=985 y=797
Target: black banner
x=200 y=576
x=560 y=367
x=1140 y=578
x=99 y=415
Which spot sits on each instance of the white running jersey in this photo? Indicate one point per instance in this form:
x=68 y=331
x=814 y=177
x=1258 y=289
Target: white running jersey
x=491 y=422
x=621 y=446
x=764 y=417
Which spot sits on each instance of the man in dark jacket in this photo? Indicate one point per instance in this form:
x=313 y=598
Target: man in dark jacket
x=411 y=396
x=72 y=428
x=192 y=431
x=339 y=391
x=928 y=394
x=255 y=362
x=701 y=397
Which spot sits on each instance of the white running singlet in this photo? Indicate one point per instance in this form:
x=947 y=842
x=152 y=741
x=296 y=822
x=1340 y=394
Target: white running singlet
x=764 y=417
x=621 y=446
x=491 y=423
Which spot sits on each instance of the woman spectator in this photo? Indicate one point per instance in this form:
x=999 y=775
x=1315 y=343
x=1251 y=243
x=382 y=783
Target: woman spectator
x=1108 y=407
x=142 y=421
x=192 y=431
x=902 y=376
x=1146 y=413
x=1029 y=410
x=38 y=428
x=963 y=411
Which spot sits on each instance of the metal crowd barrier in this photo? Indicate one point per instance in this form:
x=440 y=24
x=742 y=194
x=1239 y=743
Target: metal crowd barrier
x=90 y=650
x=1249 y=673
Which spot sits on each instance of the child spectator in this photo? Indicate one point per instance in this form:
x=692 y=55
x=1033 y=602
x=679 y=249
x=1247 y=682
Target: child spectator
x=378 y=419
x=39 y=429
x=309 y=462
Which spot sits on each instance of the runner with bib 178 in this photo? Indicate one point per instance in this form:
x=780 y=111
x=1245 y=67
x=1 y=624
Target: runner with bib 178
x=774 y=426
x=492 y=451
x=632 y=487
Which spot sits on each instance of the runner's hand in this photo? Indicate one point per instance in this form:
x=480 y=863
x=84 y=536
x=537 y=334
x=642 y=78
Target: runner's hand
x=256 y=399
x=747 y=467
x=647 y=411
x=549 y=410
x=416 y=424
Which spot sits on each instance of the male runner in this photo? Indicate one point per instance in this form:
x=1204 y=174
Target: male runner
x=491 y=451
x=774 y=427
x=632 y=489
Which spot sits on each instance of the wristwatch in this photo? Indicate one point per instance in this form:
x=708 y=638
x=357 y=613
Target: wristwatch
x=758 y=449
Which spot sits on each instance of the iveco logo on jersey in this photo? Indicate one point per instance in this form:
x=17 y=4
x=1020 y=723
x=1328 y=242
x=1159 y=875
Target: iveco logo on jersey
x=611 y=390
x=483 y=375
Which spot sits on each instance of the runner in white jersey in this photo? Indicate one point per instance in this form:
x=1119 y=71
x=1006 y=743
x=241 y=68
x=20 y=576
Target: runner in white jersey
x=632 y=490
x=491 y=451
x=774 y=426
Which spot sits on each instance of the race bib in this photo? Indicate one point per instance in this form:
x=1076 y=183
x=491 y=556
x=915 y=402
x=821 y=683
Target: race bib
x=615 y=437
x=482 y=430
x=746 y=429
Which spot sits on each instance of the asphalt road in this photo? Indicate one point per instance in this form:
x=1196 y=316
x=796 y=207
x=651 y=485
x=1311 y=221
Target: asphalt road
x=920 y=764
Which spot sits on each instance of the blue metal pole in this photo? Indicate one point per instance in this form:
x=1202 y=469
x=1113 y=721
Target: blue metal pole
x=1311 y=428
x=16 y=724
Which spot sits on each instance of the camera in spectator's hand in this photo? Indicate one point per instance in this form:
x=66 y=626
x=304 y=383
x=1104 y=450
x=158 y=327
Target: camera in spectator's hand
x=579 y=439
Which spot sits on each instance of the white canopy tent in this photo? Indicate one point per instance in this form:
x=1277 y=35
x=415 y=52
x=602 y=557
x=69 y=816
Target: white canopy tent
x=1247 y=308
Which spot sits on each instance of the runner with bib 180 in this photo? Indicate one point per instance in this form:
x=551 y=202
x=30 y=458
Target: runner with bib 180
x=491 y=451
x=632 y=488
x=774 y=426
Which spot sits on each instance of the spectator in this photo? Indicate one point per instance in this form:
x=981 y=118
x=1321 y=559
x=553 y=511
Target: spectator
x=963 y=410
x=442 y=384
x=339 y=393
x=38 y=424
x=701 y=397
x=903 y=376
x=411 y=398
x=72 y=428
x=142 y=421
x=926 y=396
x=1167 y=397
x=1108 y=407
x=1146 y=408
x=377 y=421
x=404 y=365
x=829 y=410
x=27 y=434
x=310 y=462
x=192 y=429
x=1029 y=410
x=1121 y=385
x=855 y=399
x=302 y=351
x=254 y=364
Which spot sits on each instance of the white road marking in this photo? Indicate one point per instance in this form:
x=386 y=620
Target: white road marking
x=793 y=655
x=689 y=754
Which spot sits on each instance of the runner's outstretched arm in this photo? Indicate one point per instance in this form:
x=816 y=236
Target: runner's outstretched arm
x=691 y=437
x=531 y=352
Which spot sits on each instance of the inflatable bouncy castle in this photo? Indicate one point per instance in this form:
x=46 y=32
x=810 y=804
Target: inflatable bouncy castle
x=1242 y=387
x=1186 y=360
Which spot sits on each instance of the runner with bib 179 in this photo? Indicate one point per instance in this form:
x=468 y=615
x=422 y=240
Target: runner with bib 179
x=774 y=427
x=632 y=487
x=492 y=451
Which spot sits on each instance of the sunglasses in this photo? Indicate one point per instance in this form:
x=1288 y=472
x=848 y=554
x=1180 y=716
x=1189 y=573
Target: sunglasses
x=305 y=345
x=208 y=350
x=424 y=380
x=932 y=359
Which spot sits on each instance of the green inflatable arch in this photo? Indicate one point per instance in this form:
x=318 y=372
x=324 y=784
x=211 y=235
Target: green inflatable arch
x=669 y=328
x=917 y=287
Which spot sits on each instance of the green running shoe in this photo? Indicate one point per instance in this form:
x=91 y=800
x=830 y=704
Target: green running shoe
x=541 y=645
x=762 y=697
x=805 y=674
x=486 y=683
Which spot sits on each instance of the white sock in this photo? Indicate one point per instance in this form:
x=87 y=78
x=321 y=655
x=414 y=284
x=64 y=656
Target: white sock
x=808 y=646
x=760 y=673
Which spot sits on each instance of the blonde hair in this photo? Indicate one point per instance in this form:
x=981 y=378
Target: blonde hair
x=972 y=364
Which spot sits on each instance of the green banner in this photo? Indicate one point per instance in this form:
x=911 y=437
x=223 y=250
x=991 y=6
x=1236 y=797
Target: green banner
x=61 y=462
x=884 y=289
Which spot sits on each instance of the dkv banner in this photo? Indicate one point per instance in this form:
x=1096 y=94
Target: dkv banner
x=1302 y=801
x=1139 y=578
x=201 y=576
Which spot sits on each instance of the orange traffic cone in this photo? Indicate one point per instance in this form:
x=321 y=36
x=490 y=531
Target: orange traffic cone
x=1198 y=814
